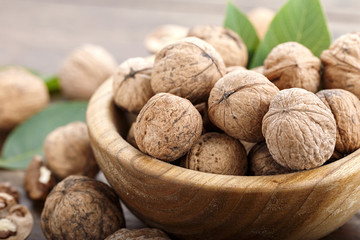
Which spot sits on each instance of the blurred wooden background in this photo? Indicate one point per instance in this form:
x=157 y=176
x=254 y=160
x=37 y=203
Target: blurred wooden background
x=40 y=33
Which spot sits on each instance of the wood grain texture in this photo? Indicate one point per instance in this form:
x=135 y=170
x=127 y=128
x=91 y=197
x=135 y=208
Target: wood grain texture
x=195 y=205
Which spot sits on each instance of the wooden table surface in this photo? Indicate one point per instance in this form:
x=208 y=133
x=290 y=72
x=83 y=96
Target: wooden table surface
x=40 y=33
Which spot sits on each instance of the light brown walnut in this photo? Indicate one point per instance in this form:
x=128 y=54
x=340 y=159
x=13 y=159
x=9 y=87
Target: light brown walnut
x=84 y=70
x=68 y=151
x=131 y=84
x=299 y=129
x=188 y=68
x=217 y=153
x=262 y=163
x=292 y=65
x=226 y=42
x=345 y=107
x=163 y=36
x=342 y=63
x=238 y=102
x=167 y=126
x=81 y=208
x=138 y=234
x=22 y=95
x=130 y=137
x=234 y=68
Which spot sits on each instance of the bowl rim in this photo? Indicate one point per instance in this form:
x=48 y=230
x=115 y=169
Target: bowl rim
x=99 y=112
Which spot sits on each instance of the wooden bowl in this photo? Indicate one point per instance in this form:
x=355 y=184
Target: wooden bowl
x=195 y=205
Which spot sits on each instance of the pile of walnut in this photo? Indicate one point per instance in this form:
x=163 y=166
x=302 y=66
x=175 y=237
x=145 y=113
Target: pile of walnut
x=196 y=103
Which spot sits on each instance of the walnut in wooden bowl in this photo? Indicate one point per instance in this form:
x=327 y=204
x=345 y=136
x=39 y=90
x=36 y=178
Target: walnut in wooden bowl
x=196 y=205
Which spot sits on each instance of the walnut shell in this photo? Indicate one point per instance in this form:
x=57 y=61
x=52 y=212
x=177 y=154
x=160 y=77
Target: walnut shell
x=16 y=221
x=138 y=234
x=68 y=151
x=188 y=68
x=81 y=208
x=84 y=70
x=342 y=63
x=345 y=107
x=38 y=179
x=217 y=153
x=163 y=36
x=167 y=126
x=233 y=68
x=131 y=84
x=292 y=65
x=262 y=163
x=261 y=18
x=22 y=94
x=226 y=42
x=130 y=137
x=299 y=129
x=238 y=102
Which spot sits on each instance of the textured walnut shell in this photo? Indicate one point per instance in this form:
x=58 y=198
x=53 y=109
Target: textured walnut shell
x=163 y=36
x=217 y=153
x=342 y=63
x=233 y=68
x=299 y=129
x=130 y=137
x=262 y=163
x=83 y=71
x=261 y=18
x=188 y=68
x=292 y=65
x=259 y=69
x=36 y=185
x=138 y=234
x=131 y=84
x=345 y=107
x=167 y=126
x=238 y=102
x=81 y=208
x=68 y=152
x=17 y=215
x=226 y=42
x=22 y=94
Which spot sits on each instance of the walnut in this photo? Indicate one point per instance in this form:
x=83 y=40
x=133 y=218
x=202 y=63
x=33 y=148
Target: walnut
x=342 y=63
x=131 y=84
x=259 y=69
x=68 y=152
x=299 y=129
x=83 y=71
x=138 y=234
x=262 y=163
x=6 y=187
x=238 y=102
x=345 y=107
x=167 y=126
x=81 y=208
x=226 y=42
x=217 y=153
x=163 y=36
x=16 y=221
x=208 y=126
x=188 y=68
x=130 y=138
x=38 y=179
x=233 y=68
x=261 y=19
x=22 y=94
x=292 y=65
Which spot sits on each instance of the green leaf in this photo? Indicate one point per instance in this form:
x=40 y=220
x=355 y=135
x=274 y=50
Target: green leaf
x=52 y=83
x=302 y=21
x=28 y=138
x=239 y=23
